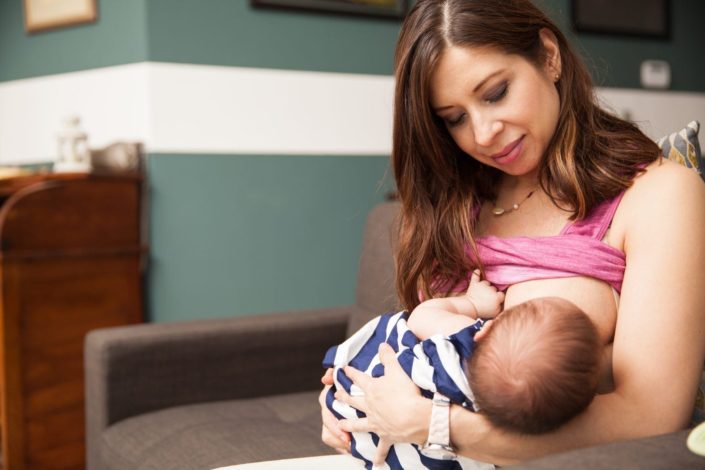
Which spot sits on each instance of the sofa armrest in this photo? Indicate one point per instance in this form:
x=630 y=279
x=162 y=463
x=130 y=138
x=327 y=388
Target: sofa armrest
x=140 y=368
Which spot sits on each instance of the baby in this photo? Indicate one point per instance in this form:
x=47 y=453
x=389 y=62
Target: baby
x=529 y=370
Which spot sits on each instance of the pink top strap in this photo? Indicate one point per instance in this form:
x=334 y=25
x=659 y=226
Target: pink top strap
x=597 y=222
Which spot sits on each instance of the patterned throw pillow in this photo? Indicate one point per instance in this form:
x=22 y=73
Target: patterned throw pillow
x=683 y=147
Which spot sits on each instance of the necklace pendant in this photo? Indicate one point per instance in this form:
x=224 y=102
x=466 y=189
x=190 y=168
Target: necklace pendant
x=500 y=210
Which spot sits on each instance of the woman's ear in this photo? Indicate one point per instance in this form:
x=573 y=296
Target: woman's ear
x=553 y=53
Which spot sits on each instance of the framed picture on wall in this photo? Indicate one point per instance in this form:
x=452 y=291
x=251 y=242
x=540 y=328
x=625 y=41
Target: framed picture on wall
x=40 y=15
x=645 y=18
x=385 y=8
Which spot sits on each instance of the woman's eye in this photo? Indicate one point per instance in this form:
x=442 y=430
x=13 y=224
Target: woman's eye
x=497 y=93
x=455 y=120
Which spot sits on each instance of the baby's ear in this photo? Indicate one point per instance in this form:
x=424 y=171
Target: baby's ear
x=485 y=328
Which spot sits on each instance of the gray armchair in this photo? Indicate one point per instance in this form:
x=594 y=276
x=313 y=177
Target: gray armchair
x=208 y=393
x=203 y=394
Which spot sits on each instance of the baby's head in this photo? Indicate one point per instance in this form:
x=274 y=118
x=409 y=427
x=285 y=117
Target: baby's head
x=536 y=367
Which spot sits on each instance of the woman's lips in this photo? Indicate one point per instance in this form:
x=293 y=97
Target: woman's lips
x=510 y=152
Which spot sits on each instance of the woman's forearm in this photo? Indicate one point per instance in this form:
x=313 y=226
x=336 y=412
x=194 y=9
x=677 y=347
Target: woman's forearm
x=609 y=418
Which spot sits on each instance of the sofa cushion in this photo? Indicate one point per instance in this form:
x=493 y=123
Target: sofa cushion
x=216 y=434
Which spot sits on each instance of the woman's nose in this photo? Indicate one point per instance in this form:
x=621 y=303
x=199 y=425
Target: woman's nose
x=486 y=130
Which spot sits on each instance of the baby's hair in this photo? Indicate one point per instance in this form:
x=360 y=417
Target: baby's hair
x=537 y=367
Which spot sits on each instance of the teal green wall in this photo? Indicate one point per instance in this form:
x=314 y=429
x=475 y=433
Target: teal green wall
x=615 y=60
x=119 y=37
x=231 y=32
x=241 y=234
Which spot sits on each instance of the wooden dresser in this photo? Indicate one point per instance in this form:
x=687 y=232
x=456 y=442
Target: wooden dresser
x=70 y=261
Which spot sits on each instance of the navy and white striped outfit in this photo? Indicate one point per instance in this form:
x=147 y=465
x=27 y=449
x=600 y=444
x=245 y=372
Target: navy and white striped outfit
x=434 y=365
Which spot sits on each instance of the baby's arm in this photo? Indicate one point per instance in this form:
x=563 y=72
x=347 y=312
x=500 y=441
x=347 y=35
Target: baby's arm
x=451 y=314
x=430 y=319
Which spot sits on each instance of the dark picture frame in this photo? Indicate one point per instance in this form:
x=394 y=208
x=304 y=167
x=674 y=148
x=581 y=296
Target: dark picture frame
x=380 y=8
x=642 y=18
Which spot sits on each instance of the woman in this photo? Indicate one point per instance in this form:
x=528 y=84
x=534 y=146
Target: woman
x=501 y=153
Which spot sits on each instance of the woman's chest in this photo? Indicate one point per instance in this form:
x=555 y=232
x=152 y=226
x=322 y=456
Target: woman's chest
x=538 y=220
x=544 y=219
x=597 y=299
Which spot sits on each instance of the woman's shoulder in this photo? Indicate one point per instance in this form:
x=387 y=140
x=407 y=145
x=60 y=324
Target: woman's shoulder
x=664 y=175
x=667 y=181
x=664 y=191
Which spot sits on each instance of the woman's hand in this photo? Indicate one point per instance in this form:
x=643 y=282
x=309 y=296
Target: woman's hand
x=395 y=409
x=331 y=434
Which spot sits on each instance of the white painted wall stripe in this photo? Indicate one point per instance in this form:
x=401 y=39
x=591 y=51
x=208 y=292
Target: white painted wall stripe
x=205 y=109
x=176 y=108
x=111 y=101
x=181 y=108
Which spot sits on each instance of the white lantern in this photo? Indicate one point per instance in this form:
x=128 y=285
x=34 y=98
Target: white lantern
x=73 y=153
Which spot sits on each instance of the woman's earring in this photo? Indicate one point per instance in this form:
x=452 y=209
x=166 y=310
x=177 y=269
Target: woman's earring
x=556 y=77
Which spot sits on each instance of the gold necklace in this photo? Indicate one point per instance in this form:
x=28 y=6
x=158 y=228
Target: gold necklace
x=496 y=210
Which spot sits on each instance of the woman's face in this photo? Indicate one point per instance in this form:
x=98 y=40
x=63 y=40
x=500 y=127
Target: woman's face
x=500 y=109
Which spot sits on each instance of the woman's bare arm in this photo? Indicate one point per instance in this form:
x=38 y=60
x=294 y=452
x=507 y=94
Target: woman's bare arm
x=659 y=344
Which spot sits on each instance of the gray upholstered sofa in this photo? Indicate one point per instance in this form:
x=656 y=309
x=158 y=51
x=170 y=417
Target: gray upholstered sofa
x=202 y=394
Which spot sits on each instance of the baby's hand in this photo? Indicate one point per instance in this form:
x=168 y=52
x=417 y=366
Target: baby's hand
x=487 y=300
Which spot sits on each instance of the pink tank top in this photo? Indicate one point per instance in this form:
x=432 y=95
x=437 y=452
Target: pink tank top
x=577 y=251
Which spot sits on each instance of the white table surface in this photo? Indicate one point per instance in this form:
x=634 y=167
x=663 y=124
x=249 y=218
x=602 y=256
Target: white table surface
x=326 y=462
x=332 y=462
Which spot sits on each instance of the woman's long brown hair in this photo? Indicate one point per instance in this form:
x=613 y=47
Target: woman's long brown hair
x=592 y=156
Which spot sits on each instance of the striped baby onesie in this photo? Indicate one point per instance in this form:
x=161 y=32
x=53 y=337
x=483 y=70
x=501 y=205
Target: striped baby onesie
x=436 y=364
